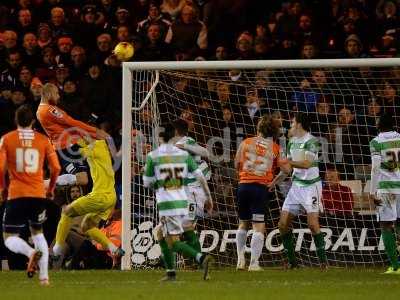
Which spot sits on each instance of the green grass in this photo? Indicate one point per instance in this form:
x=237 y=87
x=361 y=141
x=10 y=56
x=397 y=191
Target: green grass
x=227 y=284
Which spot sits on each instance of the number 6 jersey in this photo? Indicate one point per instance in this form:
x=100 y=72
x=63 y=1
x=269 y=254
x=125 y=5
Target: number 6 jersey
x=22 y=154
x=167 y=171
x=387 y=146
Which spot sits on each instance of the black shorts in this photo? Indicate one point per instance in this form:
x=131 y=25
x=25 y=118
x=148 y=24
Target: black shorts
x=253 y=200
x=24 y=211
x=71 y=160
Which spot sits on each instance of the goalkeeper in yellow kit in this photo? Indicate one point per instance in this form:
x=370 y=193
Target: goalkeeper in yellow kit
x=95 y=206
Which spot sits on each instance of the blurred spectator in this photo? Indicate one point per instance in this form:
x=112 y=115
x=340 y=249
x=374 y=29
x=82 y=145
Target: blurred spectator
x=244 y=46
x=58 y=23
x=64 y=45
x=88 y=28
x=104 y=43
x=24 y=24
x=46 y=69
x=9 y=77
x=61 y=74
x=306 y=31
x=172 y=7
x=123 y=17
x=187 y=35
x=30 y=54
x=78 y=62
x=44 y=35
x=123 y=33
x=36 y=92
x=310 y=91
x=25 y=77
x=336 y=198
x=353 y=47
x=154 y=48
x=71 y=101
x=309 y=51
x=221 y=53
x=154 y=18
x=97 y=90
x=10 y=39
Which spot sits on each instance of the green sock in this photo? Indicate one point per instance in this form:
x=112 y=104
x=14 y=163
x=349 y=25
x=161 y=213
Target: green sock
x=191 y=239
x=288 y=244
x=167 y=255
x=320 y=245
x=185 y=250
x=389 y=240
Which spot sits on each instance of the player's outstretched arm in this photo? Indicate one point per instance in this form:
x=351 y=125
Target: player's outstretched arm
x=195 y=149
x=208 y=205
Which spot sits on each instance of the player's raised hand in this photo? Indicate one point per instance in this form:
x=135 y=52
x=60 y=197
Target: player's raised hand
x=209 y=205
x=180 y=146
x=101 y=134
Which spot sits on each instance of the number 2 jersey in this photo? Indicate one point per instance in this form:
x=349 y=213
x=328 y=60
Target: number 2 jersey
x=387 y=146
x=257 y=158
x=22 y=154
x=300 y=148
x=167 y=170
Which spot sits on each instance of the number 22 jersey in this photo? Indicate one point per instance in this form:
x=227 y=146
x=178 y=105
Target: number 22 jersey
x=257 y=158
x=167 y=171
x=22 y=154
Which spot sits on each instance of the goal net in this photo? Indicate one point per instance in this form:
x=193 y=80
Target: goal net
x=222 y=101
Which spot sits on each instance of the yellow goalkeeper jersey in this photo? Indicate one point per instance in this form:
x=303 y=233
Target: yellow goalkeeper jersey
x=100 y=164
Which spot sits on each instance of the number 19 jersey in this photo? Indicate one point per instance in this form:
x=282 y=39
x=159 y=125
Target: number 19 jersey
x=387 y=146
x=257 y=158
x=167 y=170
x=22 y=154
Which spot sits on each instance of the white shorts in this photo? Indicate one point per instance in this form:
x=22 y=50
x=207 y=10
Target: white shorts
x=302 y=199
x=197 y=197
x=389 y=209
x=171 y=225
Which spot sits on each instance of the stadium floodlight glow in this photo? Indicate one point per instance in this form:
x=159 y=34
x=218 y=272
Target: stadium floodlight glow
x=159 y=91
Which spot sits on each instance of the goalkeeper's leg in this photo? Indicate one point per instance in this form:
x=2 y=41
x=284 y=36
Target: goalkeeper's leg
x=63 y=228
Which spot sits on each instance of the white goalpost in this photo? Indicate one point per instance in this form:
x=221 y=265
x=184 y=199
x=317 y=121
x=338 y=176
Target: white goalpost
x=221 y=101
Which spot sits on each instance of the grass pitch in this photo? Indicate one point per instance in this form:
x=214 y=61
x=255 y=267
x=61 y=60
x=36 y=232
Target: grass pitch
x=225 y=284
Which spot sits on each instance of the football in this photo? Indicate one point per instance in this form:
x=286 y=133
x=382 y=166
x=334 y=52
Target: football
x=124 y=51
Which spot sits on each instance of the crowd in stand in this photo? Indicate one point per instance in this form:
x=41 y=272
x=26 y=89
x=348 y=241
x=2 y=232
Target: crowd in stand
x=70 y=43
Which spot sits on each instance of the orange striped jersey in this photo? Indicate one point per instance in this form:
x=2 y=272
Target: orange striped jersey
x=256 y=160
x=22 y=154
x=62 y=129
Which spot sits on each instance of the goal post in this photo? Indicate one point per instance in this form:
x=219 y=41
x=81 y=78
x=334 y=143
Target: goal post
x=205 y=93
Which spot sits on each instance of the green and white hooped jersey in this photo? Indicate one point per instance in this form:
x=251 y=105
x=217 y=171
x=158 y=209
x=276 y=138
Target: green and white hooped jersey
x=167 y=170
x=387 y=145
x=203 y=166
x=297 y=150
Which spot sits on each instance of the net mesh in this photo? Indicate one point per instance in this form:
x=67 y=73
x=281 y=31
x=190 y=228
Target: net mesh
x=222 y=108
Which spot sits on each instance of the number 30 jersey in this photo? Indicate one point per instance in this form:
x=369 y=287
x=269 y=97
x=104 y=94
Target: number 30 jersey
x=387 y=146
x=22 y=154
x=167 y=171
x=257 y=159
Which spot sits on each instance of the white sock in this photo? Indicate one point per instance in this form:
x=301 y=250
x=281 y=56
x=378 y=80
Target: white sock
x=256 y=245
x=112 y=247
x=241 y=237
x=18 y=245
x=41 y=245
x=58 y=250
x=66 y=179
